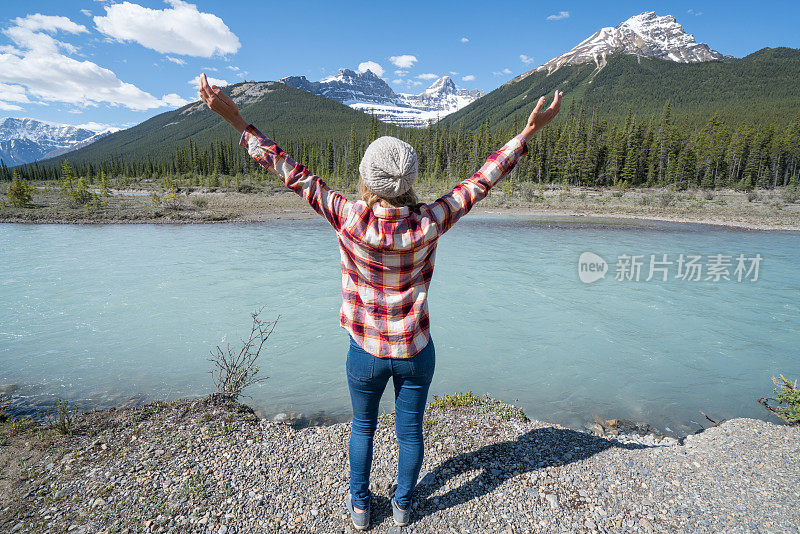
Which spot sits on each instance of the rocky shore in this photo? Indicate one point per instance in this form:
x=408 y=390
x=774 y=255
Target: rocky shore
x=213 y=467
x=777 y=209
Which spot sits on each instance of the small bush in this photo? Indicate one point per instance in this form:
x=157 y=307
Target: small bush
x=456 y=400
x=200 y=202
x=105 y=188
x=788 y=398
x=666 y=198
x=20 y=192
x=752 y=196
x=172 y=200
x=246 y=188
x=232 y=372
x=80 y=194
x=526 y=191
x=708 y=194
x=645 y=200
x=791 y=193
x=63 y=417
x=507 y=188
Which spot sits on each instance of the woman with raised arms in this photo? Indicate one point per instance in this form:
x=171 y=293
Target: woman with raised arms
x=387 y=240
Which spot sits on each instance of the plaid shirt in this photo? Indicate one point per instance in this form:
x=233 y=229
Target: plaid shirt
x=387 y=253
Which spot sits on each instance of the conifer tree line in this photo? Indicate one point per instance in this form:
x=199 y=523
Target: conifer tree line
x=577 y=149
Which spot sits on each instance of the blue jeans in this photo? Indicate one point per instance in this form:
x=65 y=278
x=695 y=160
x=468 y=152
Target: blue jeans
x=367 y=376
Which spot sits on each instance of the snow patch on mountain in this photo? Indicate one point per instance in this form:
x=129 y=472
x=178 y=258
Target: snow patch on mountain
x=369 y=93
x=646 y=35
x=24 y=140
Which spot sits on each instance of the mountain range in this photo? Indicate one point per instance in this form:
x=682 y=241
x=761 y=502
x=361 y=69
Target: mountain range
x=369 y=93
x=24 y=140
x=281 y=111
x=636 y=66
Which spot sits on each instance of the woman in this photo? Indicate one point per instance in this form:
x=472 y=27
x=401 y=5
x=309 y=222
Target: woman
x=387 y=241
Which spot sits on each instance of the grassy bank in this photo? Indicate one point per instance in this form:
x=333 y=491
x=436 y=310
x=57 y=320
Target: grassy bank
x=148 y=202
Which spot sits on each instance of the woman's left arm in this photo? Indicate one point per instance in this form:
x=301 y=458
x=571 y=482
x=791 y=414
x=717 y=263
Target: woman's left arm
x=325 y=201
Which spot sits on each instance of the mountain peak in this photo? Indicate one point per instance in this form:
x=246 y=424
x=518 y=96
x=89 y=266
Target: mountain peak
x=646 y=34
x=441 y=86
x=368 y=92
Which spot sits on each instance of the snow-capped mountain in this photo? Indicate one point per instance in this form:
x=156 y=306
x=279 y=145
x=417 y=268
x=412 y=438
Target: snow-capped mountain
x=28 y=140
x=348 y=87
x=646 y=35
x=369 y=93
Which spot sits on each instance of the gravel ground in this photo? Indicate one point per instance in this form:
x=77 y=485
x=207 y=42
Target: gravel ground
x=198 y=466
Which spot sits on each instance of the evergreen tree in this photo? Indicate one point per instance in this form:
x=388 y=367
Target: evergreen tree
x=20 y=192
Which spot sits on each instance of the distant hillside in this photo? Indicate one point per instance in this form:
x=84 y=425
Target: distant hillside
x=761 y=87
x=272 y=107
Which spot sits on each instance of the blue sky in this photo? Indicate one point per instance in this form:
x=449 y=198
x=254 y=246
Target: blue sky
x=119 y=63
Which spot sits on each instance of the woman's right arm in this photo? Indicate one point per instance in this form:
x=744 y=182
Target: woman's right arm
x=451 y=207
x=325 y=201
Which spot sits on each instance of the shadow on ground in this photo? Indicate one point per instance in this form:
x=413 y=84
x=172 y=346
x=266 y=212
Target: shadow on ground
x=538 y=449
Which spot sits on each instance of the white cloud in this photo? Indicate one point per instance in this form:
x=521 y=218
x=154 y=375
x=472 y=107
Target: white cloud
x=179 y=29
x=219 y=82
x=526 y=59
x=86 y=12
x=501 y=72
x=453 y=72
x=559 y=16
x=428 y=76
x=397 y=80
x=176 y=60
x=231 y=67
x=401 y=72
x=406 y=61
x=693 y=12
x=49 y=75
x=48 y=23
x=370 y=65
x=95 y=126
x=13 y=93
x=31 y=33
x=464 y=40
x=174 y=100
x=468 y=78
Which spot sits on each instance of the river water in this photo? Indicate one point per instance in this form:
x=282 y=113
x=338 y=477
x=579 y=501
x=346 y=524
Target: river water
x=100 y=314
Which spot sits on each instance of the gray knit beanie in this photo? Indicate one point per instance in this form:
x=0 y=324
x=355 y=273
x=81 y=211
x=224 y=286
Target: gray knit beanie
x=389 y=167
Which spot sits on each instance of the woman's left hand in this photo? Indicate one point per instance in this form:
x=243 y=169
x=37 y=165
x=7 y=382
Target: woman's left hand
x=220 y=103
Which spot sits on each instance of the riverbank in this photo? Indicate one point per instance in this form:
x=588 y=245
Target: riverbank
x=204 y=466
x=759 y=210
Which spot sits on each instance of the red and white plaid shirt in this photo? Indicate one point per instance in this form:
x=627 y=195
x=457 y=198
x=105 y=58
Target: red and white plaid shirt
x=387 y=253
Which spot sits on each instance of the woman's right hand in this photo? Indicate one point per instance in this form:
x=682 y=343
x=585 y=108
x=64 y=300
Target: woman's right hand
x=539 y=119
x=220 y=103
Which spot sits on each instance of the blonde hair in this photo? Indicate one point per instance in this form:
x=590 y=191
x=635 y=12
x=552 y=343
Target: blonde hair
x=409 y=198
